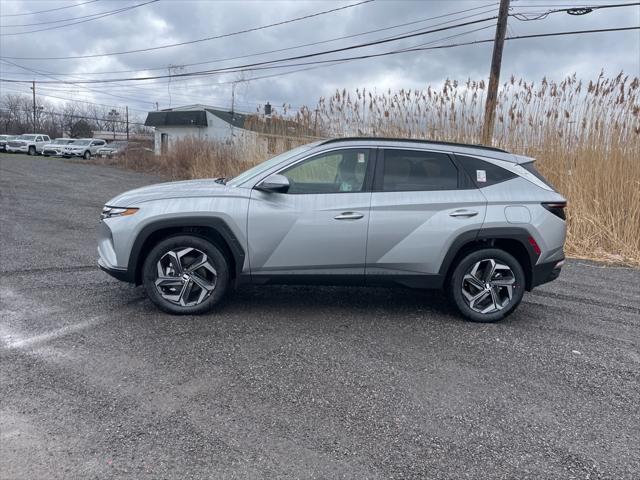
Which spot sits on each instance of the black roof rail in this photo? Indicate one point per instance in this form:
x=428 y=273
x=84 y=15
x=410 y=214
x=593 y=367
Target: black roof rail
x=414 y=140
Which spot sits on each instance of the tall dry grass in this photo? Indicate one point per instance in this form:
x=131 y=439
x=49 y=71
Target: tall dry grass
x=585 y=135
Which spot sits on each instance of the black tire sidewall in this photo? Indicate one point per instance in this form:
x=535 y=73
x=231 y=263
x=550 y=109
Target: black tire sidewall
x=31 y=151
x=87 y=155
x=455 y=282
x=214 y=254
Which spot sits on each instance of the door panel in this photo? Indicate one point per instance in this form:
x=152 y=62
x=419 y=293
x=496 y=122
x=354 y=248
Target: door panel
x=410 y=232
x=299 y=234
x=319 y=226
x=417 y=211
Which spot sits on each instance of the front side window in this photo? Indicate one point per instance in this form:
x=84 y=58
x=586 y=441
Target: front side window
x=409 y=170
x=38 y=139
x=339 y=171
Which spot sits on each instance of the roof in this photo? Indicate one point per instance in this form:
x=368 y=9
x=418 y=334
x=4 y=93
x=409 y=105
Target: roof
x=187 y=118
x=232 y=118
x=415 y=140
x=451 y=147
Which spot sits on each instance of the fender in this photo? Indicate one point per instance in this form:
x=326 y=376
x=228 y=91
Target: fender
x=489 y=236
x=215 y=223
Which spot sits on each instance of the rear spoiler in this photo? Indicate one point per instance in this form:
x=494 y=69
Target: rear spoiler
x=520 y=159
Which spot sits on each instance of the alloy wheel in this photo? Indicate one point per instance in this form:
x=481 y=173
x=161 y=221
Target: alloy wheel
x=185 y=277
x=488 y=286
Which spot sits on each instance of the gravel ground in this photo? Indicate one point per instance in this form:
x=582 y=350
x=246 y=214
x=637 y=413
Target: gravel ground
x=294 y=382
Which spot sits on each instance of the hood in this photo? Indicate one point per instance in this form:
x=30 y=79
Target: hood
x=162 y=191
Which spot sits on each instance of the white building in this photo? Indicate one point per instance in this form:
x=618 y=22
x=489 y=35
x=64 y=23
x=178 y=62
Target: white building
x=199 y=121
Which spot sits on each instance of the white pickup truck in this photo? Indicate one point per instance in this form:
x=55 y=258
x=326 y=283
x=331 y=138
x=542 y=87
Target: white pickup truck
x=31 y=143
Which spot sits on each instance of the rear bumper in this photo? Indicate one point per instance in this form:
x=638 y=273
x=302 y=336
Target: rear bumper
x=546 y=272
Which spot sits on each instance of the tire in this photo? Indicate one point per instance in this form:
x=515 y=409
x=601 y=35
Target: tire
x=32 y=151
x=190 y=250
x=87 y=155
x=487 y=285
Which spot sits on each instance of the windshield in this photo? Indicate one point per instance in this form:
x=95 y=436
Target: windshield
x=81 y=142
x=266 y=165
x=27 y=137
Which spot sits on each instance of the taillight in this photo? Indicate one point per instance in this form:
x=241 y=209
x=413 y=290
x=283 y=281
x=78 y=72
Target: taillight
x=557 y=208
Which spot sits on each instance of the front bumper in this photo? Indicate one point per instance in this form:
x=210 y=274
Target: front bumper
x=121 y=274
x=50 y=151
x=22 y=148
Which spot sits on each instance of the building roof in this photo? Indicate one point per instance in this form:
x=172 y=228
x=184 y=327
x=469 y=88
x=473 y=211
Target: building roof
x=186 y=118
x=232 y=118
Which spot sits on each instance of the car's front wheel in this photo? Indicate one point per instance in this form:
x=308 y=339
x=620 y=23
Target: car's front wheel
x=185 y=275
x=32 y=150
x=87 y=155
x=487 y=285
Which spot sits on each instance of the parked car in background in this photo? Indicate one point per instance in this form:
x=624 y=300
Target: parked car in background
x=84 y=147
x=116 y=148
x=4 y=139
x=31 y=143
x=479 y=222
x=56 y=147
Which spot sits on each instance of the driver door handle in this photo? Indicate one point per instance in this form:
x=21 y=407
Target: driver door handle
x=349 y=216
x=463 y=213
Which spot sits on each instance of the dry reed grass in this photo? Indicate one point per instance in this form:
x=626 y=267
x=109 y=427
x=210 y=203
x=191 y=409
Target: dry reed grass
x=585 y=135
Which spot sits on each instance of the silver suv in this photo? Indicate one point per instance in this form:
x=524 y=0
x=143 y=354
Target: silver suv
x=479 y=222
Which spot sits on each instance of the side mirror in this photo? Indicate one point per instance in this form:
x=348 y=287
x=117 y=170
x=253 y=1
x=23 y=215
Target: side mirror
x=274 y=183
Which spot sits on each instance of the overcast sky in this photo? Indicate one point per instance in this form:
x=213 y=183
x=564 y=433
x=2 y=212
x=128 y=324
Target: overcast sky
x=172 y=21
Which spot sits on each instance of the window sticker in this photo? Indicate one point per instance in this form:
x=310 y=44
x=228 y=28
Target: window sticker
x=481 y=176
x=360 y=157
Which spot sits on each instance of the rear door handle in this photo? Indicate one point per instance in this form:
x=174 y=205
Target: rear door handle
x=349 y=216
x=463 y=213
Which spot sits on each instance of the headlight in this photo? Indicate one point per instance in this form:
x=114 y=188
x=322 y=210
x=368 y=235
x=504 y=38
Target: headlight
x=109 y=212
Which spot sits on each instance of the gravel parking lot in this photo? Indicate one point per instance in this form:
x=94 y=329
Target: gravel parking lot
x=294 y=382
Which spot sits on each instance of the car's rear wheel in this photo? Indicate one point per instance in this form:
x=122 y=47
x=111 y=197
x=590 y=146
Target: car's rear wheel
x=87 y=155
x=185 y=275
x=32 y=151
x=487 y=285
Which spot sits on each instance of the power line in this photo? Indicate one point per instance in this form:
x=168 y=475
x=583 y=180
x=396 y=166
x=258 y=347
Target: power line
x=50 y=10
x=107 y=14
x=58 y=21
x=344 y=37
x=297 y=57
x=57 y=80
x=575 y=10
x=407 y=50
x=253 y=103
x=199 y=40
x=325 y=63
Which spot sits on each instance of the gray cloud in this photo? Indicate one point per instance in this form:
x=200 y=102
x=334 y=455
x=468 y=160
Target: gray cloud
x=170 y=21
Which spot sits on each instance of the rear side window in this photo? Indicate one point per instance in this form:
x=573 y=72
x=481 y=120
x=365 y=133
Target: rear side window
x=484 y=174
x=529 y=167
x=410 y=170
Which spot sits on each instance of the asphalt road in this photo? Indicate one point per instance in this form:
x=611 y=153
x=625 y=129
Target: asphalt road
x=294 y=382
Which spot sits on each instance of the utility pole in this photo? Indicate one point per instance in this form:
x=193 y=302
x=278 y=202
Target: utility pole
x=494 y=75
x=127 y=114
x=33 y=87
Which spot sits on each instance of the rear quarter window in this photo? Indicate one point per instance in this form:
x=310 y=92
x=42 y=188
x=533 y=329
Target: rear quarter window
x=483 y=174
